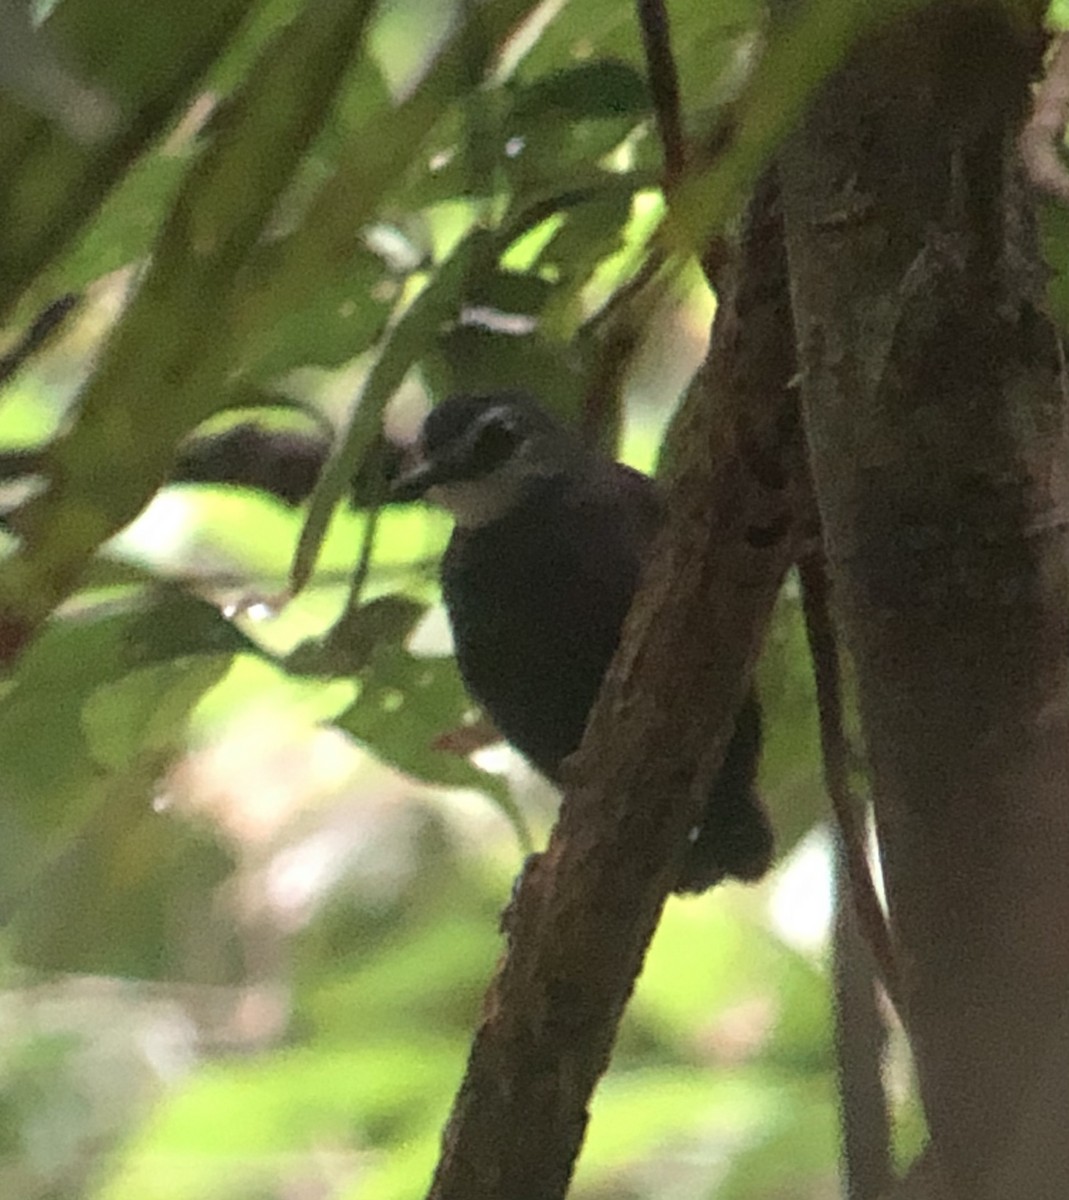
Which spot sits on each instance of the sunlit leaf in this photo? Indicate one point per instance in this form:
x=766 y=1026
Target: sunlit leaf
x=405 y=704
x=217 y=218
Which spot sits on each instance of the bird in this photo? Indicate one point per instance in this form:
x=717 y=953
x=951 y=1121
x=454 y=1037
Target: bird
x=548 y=544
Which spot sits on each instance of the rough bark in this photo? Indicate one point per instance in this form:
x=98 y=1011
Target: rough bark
x=937 y=422
x=585 y=910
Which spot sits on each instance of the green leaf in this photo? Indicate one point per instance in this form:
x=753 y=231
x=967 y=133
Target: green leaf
x=405 y=703
x=382 y=144
x=470 y=357
x=144 y=714
x=351 y=642
x=511 y=292
x=798 y=57
x=558 y=150
x=132 y=891
x=707 y=41
x=124 y=227
x=792 y=777
x=343 y=319
x=587 y=91
x=52 y=182
x=54 y=763
x=589 y=233
x=410 y=338
x=173 y=624
x=152 y=386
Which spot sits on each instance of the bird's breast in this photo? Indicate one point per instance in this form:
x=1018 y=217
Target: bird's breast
x=535 y=625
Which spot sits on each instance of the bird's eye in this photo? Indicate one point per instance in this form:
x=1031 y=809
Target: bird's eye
x=494 y=443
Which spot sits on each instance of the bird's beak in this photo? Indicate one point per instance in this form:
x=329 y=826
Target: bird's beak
x=417 y=477
x=449 y=464
x=412 y=481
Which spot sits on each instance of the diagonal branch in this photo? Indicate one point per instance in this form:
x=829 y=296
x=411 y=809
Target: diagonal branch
x=586 y=909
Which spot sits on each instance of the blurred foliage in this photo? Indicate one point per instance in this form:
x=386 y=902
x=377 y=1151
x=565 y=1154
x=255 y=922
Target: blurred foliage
x=250 y=898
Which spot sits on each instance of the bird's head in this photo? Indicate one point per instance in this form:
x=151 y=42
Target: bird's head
x=479 y=455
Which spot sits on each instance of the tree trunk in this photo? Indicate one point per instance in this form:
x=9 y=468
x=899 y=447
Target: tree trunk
x=936 y=416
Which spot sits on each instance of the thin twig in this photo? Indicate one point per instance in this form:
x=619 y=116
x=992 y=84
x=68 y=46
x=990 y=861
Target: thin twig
x=664 y=87
x=378 y=466
x=825 y=654
x=613 y=335
x=664 y=92
x=1040 y=142
x=363 y=566
x=860 y=1044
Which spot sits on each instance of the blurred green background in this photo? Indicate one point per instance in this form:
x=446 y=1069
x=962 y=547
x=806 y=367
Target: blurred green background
x=250 y=901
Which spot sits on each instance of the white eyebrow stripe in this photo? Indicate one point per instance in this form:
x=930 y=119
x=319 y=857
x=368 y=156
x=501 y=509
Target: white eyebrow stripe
x=499 y=413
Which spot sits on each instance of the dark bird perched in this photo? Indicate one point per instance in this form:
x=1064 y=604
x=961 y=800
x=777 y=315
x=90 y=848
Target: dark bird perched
x=544 y=560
